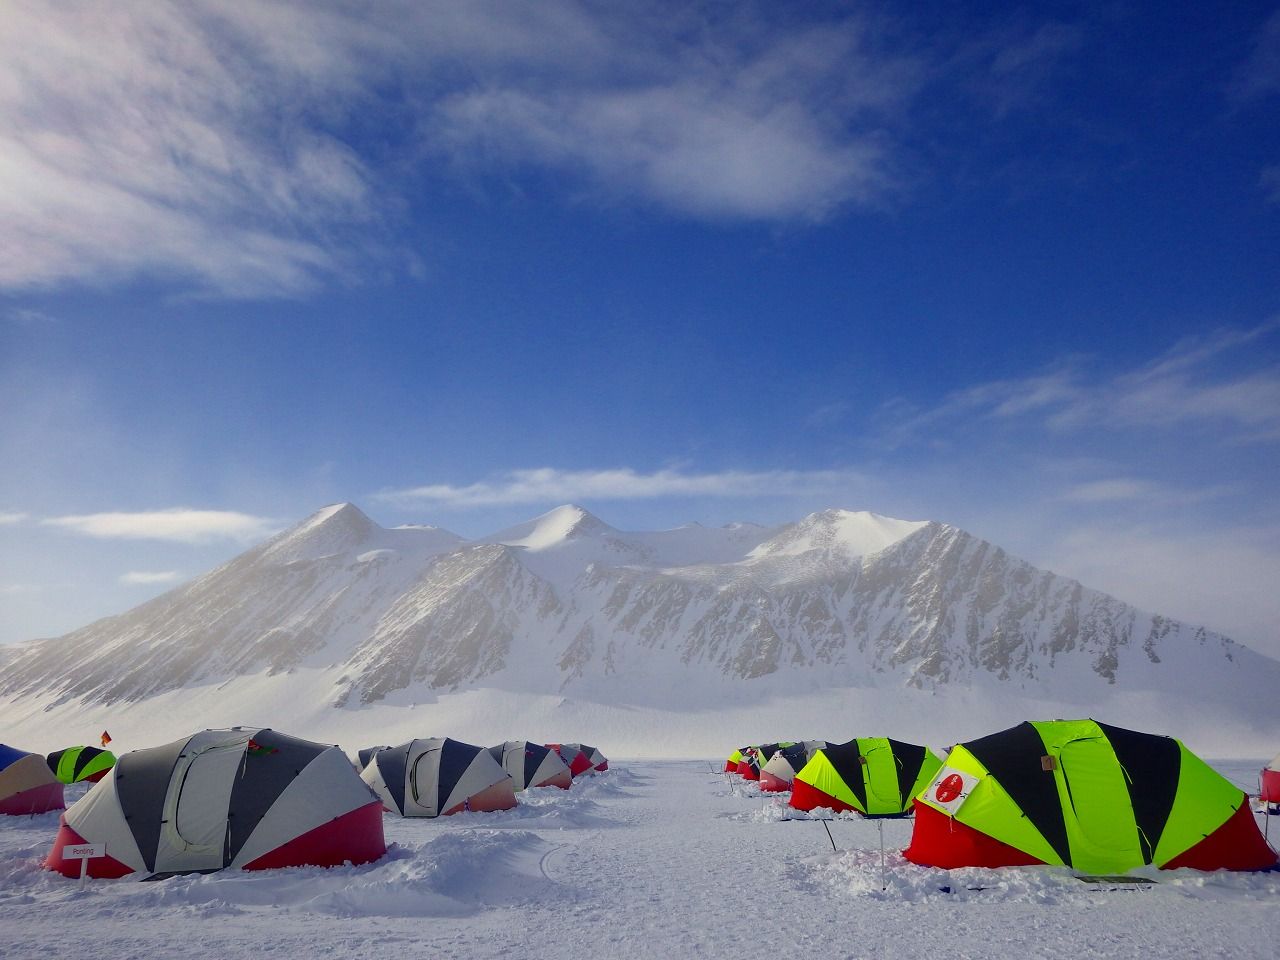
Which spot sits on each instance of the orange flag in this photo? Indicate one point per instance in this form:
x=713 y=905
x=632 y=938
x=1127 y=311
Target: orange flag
x=106 y=738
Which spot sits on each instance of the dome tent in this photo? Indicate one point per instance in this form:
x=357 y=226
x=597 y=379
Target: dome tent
x=1269 y=785
x=243 y=798
x=731 y=765
x=874 y=776
x=780 y=770
x=595 y=758
x=532 y=765
x=27 y=785
x=578 y=761
x=76 y=764
x=755 y=757
x=1087 y=795
x=438 y=777
x=364 y=756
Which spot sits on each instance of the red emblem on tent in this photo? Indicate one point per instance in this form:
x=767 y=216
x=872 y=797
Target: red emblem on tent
x=949 y=789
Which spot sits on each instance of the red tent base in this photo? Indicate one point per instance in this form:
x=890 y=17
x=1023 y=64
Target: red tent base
x=940 y=841
x=1270 y=792
x=771 y=784
x=500 y=796
x=1236 y=845
x=563 y=780
x=41 y=799
x=355 y=837
x=100 y=868
x=731 y=766
x=747 y=771
x=805 y=796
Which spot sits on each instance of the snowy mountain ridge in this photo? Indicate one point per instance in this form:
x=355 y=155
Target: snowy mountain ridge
x=566 y=604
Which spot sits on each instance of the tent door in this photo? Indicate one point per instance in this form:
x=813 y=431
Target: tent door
x=424 y=782
x=194 y=833
x=1097 y=808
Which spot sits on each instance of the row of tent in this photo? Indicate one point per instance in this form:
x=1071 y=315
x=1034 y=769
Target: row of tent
x=1076 y=793
x=253 y=798
x=31 y=783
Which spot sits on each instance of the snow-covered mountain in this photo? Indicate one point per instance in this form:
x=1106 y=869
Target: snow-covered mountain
x=567 y=606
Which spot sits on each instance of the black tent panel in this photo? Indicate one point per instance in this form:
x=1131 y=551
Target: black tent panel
x=1013 y=757
x=142 y=784
x=1151 y=766
x=276 y=761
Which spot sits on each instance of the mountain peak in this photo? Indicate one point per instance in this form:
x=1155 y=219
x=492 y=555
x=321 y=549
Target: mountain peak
x=330 y=530
x=855 y=533
x=566 y=522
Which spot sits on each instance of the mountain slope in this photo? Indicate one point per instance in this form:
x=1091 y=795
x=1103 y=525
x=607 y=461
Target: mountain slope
x=567 y=604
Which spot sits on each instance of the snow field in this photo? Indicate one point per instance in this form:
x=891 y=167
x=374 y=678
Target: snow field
x=652 y=859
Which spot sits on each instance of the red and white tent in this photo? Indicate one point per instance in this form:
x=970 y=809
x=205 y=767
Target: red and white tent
x=244 y=798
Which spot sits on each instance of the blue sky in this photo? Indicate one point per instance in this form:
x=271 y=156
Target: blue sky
x=1013 y=267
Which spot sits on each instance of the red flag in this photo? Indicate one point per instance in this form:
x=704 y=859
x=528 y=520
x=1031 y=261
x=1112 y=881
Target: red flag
x=255 y=749
x=106 y=738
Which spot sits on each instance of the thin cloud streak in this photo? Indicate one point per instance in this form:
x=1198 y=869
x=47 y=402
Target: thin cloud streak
x=145 y=578
x=176 y=525
x=549 y=485
x=11 y=519
x=1180 y=388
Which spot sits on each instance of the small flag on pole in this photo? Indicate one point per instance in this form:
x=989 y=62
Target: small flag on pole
x=255 y=749
x=106 y=738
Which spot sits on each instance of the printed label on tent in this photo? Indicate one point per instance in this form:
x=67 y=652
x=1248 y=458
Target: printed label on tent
x=84 y=851
x=950 y=789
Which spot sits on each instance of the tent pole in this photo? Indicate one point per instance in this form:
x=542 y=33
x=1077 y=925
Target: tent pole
x=829 y=837
x=884 y=882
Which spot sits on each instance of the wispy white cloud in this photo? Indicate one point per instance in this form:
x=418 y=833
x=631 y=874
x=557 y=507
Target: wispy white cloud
x=219 y=143
x=28 y=317
x=548 y=485
x=11 y=519
x=178 y=525
x=1270 y=182
x=1259 y=74
x=1183 y=387
x=1128 y=489
x=18 y=589
x=748 y=119
x=145 y=578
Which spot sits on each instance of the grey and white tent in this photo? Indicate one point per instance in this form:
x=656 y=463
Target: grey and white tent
x=778 y=773
x=437 y=777
x=244 y=798
x=364 y=756
x=532 y=765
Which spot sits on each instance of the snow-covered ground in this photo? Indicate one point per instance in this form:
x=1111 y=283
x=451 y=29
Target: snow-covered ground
x=651 y=859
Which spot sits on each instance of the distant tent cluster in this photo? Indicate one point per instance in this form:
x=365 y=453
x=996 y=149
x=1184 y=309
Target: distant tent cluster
x=1076 y=793
x=438 y=777
x=253 y=798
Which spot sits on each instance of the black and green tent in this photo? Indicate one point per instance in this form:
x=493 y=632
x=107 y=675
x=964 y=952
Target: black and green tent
x=1087 y=795
x=74 y=764
x=875 y=776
